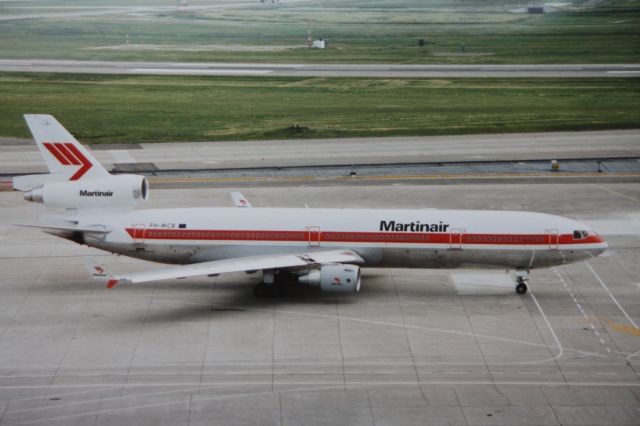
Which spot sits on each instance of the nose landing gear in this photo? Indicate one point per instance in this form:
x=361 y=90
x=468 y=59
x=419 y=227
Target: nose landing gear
x=521 y=281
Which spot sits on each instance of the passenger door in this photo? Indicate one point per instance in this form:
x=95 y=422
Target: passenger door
x=313 y=235
x=553 y=238
x=139 y=231
x=455 y=239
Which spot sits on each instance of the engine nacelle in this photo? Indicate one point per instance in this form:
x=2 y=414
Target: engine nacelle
x=334 y=278
x=111 y=191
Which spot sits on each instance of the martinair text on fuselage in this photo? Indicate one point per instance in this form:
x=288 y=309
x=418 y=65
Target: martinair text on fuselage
x=413 y=226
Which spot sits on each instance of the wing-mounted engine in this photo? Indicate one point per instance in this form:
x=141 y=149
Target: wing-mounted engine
x=336 y=278
x=109 y=191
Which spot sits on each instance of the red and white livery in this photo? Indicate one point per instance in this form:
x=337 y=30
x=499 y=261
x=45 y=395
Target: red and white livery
x=323 y=247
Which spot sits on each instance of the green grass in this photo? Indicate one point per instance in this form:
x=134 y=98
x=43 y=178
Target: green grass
x=107 y=109
x=359 y=31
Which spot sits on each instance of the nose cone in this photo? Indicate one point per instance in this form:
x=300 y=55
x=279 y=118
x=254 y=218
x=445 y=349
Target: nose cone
x=599 y=245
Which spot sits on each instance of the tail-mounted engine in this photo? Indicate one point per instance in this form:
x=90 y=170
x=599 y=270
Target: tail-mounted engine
x=110 y=191
x=334 y=278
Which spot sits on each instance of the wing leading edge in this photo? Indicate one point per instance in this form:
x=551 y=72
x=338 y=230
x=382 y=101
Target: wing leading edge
x=238 y=264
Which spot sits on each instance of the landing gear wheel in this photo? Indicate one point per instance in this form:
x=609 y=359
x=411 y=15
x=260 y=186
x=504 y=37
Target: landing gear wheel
x=275 y=284
x=522 y=276
x=277 y=290
x=260 y=290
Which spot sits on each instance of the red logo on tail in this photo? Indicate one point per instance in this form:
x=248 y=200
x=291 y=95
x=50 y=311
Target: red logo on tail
x=69 y=155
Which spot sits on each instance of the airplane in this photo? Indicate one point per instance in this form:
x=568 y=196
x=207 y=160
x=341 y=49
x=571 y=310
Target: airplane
x=320 y=247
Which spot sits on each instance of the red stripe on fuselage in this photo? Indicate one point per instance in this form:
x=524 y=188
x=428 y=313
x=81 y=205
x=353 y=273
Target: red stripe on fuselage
x=357 y=237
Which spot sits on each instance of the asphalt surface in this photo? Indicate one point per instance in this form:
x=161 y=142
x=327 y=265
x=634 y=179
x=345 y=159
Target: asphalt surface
x=414 y=347
x=479 y=172
x=20 y=157
x=320 y=70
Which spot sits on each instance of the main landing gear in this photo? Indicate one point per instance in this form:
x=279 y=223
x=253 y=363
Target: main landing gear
x=274 y=283
x=265 y=290
x=521 y=281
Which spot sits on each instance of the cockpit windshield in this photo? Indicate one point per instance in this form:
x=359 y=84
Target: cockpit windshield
x=580 y=234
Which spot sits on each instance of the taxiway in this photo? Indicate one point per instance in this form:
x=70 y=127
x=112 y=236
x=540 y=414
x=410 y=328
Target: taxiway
x=22 y=157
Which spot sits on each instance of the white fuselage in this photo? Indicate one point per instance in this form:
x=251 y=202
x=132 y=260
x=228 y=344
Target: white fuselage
x=383 y=238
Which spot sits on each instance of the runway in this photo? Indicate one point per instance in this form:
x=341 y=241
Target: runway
x=320 y=70
x=414 y=347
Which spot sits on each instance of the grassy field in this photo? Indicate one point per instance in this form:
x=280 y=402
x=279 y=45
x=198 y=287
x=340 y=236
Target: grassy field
x=107 y=109
x=359 y=31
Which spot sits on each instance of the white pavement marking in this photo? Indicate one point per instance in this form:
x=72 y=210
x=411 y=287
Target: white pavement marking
x=616 y=192
x=214 y=385
x=584 y=314
x=635 y=354
x=611 y=295
x=322 y=386
x=546 y=320
x=122 y=156
x=441 y=330
x=177 y=401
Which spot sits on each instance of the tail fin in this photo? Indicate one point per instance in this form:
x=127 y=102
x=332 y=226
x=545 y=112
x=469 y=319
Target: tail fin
x=63 y=154
x=239 y=200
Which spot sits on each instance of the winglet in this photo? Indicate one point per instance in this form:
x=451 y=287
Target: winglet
x=98 y=273
x=239 y=200
x=112 y=283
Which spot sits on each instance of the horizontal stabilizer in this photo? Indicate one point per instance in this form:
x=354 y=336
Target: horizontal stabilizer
x=98 y=230
x=29 y=182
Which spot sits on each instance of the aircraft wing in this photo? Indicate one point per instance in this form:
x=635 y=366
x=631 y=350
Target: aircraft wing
x=237 y=264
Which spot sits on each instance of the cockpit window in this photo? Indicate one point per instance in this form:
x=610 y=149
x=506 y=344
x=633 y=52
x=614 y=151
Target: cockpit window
x=580 y=234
